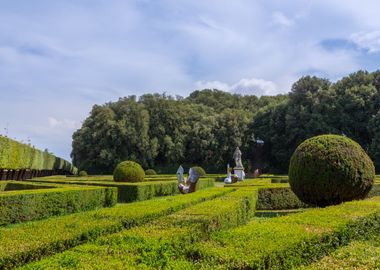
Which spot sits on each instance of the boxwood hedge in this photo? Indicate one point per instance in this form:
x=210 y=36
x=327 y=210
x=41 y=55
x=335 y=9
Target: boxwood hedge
x=30 y=241
x=41 y=201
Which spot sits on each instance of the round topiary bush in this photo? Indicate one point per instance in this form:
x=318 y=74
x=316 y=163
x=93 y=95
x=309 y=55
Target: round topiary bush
x=128 y=171
x=83 y=173
x=330 y=169
x=150 y=172
x=199 y=170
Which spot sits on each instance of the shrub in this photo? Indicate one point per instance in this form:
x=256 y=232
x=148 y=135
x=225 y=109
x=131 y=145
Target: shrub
x=83 y=174
x=128 y=171
x=330 y=169
x=199 y=170
x=150 y=172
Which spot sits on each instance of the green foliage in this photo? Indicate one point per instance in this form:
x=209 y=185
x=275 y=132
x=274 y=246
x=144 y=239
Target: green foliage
x=278 y=199
x=82 y=174
x=15 y=155
x=150 y=172
x=330 y=169
x=128 y=171
x=130 y=192
x=160 y=244
x=199 y=170
x=288 y=241
x=41 y=201
x=31 y=241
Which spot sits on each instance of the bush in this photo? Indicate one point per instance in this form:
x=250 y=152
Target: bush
x=199 y=170
x=26 y=205
x=128 y=171
x=83 y=174
x=150 y=172
x=330 y=169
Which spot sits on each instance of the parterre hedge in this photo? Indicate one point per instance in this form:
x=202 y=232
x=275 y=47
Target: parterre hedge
x=278 y=198
x=15 y=155
x=43 y=202
x=130 y=192
x=30 y=241
x=286 y=242
x=159 y=245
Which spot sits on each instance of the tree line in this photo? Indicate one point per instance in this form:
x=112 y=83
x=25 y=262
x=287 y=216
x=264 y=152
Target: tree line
x=161 y=131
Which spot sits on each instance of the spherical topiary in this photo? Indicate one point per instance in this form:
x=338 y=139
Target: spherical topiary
x=128 y=171
x=150 y=172
x=82 y=173
x=199 y=170
x=330 y=169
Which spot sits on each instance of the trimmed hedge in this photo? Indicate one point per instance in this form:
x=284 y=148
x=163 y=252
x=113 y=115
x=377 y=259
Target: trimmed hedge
x=31 y=241
x=285 y=242
x=130 y=192
x=43 y=202
x=330 y=169
x=160 y=244
x=150 y=172
x=277 y=199
x=128 y=171
x=15 y=155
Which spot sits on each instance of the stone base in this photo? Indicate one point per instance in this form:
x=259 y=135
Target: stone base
x=239 y=171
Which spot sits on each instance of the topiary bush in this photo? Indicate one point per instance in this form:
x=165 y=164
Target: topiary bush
x=83 y=174
x=128 y=171
x=199 y=170
x=150 y=172
x=330 y=169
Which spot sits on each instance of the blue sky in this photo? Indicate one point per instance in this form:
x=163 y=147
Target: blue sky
x=59 y=58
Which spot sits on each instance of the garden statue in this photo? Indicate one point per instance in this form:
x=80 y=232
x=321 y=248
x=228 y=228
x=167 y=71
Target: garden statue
x=228 y=179
x=187 y=185
x=239 y=169
x=237 y=158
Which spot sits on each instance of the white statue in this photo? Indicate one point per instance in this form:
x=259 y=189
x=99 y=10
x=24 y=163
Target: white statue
x=187 y=185
x=228 y=179
x=237 y=158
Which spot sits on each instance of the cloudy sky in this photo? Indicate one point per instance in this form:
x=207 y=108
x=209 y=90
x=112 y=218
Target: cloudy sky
x=59 y=58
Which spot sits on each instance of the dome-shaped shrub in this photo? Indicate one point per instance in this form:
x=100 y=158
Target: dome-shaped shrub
x=150 y=172
x=199 y=170
x=128 y=171
x=82 y=174
x=330 y=169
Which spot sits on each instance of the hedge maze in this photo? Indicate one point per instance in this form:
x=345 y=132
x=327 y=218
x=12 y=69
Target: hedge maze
x=19 y=161
x=214 y=228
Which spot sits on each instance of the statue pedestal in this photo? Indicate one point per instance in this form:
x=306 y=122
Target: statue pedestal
x=239 y=171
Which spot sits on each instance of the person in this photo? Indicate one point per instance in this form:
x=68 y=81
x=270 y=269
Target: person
x=189 y=184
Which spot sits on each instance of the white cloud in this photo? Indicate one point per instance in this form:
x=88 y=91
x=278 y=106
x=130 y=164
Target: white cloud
x=252 y=86
x=62 y=124
x=280 y=19
x=367 y=40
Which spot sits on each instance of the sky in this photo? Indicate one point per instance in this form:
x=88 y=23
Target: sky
x=59 y=58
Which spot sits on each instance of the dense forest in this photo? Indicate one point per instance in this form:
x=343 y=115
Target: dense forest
x=161 y=131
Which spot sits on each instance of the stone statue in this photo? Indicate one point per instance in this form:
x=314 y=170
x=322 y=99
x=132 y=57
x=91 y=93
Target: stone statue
x=237 y=158
x=189 y=184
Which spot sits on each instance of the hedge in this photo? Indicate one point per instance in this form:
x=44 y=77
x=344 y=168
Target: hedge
x=159 y=244
x=285 y=242
x=277 y=199
x=15 y=155
x=40 y=202
x=33 y=240
x=130 y=192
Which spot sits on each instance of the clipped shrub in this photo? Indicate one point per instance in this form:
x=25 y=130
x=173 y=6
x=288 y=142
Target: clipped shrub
x=330 y=169
x=83 y=174
x=150 y=172
x=128 y=171
x=199 y=170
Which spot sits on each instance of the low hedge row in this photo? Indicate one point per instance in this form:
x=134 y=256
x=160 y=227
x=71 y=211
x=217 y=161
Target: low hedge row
x=130 y=192
x=162 y=243
x=15 y=155
x=286 y=242
x=360 y=254
x=277 y=199
x=30 y=241
x=39 y=202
